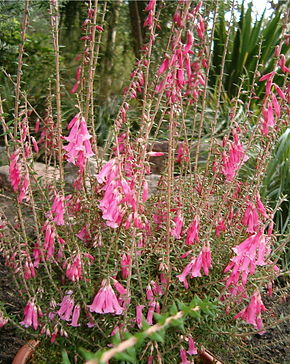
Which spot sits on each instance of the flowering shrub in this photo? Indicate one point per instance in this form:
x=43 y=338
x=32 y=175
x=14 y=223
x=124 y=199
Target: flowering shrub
x=109 y=255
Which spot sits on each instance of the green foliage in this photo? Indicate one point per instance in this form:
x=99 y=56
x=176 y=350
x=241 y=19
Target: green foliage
x=250 y=43
x=198 y=309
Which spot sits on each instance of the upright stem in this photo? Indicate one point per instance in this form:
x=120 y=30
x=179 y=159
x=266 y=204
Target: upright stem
x=54 y=21
x=20 y=64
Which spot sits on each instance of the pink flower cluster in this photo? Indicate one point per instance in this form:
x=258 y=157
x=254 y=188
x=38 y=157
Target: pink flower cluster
x=184 y=77
x=106 y=301
x=251 y=217
x=193 y=268
x=120 y=196
x=233 y=160
x=79 y=147
x=250 y=253
x=15 y=175
x=252 y=313
x=69 y=311
x=30 y=315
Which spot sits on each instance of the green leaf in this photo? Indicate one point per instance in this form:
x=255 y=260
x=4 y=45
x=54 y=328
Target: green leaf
x=65 y=359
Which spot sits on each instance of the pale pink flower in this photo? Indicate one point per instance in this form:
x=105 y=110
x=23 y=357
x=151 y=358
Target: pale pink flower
x=66 y=308
x=177 y=226
x=75 y=316
x=3 y=320
x=106 y=301
x=139 y=315
x=30 y=316
x=192 y=232
x=74 y=269
x=252 y=313
x=58 y=209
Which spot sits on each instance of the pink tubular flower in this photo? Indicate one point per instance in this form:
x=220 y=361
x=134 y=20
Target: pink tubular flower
x=15 y=170
x=58 y=210
x=106 y=301
x=235 y=158
x=252 y=313
x=49 y=238
x=74 y=269
x=192 y=349
x=177 y=226
x=183 y=357
x=193 y=268
x=251 y=218
x=30 y=316
x=75 y=316
x=150 y=313
x=23 y=195
x=192 y=232
x=125 y=265
x=251 y=252
x=66 y=308
x=220 y=226
x=139 y=316
x=79 y=147
x=182 y=153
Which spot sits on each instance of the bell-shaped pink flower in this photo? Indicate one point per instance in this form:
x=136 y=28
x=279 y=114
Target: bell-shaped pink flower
x=252 y=313
x=66 y=308
x=58 y=210
x=139 y=316
x=75 y=316
x=192 y=232
x=177 y=226
x=125 y=265
x=30 y=316
x=15 y=170
x=106 y=301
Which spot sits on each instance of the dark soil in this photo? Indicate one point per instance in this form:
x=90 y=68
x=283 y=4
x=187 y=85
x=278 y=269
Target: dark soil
x=11 y=338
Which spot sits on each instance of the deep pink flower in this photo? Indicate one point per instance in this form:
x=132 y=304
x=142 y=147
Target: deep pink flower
x=192 y=232
x=125 y=265
x=252 y=313
x=106 y=301
x=30 y=316
x=251 y=218
x=183 y=357
x=79 y=147
x=15 y=170
x=220 y=226
x=49 y=238
x=203 y=261
x=24 y=195
x=251 y=252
